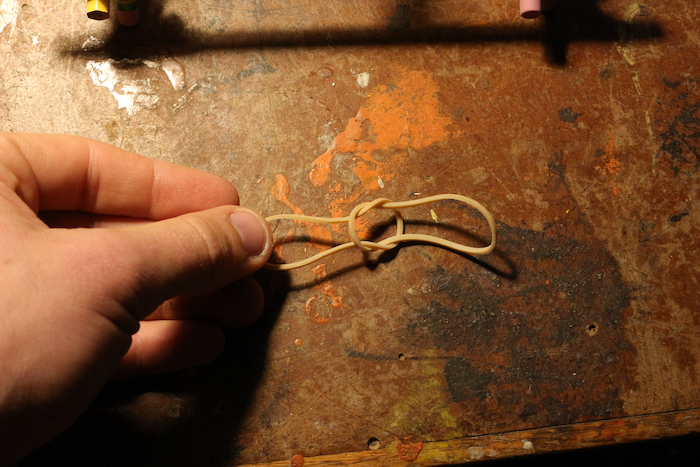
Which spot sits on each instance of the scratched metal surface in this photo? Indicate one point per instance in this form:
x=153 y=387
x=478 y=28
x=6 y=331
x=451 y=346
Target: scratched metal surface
x=580 y=132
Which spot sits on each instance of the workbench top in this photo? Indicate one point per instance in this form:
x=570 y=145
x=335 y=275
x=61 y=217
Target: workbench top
x=579 y=131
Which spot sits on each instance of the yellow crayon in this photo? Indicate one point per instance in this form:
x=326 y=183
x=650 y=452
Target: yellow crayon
x=98 y=9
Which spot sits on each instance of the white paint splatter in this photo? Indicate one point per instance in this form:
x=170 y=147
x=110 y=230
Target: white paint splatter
x=380 y=182
x=326 y=137
x=175 y=73
x=131 y=95
x=476 y=452
x=92 y=43
x=528 y=445
x=9 y=10
x=172 y=68
x=182 y=100
x=362 y=79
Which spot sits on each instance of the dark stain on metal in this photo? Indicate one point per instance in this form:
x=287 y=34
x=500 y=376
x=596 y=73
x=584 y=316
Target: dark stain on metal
x=672 y=84
x=256 y=67
x=680 y=149
x=568 y=115
x=606 y=73
x=465 y=381
x=522 y=348
x=678 y=217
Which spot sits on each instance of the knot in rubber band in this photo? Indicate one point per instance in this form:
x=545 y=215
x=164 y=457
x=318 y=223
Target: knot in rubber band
x=389 y=242
x=364 y=208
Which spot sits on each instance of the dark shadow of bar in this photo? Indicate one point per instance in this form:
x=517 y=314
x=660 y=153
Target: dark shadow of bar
x=573 y=21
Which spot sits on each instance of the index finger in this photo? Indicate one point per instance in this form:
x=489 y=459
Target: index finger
x=70 y=173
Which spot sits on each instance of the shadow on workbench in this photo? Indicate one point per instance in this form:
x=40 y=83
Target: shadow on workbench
x=681 y=451
x=188 y=417
x=572 y=21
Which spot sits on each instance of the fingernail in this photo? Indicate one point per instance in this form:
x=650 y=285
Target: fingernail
x=251 y=231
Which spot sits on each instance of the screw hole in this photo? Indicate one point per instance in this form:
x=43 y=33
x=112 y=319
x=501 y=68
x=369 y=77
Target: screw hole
x=592 y=329
x=374 y=444
x=402 y=357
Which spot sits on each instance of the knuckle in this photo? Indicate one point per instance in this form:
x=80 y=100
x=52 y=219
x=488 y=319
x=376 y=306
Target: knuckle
x=210 y=241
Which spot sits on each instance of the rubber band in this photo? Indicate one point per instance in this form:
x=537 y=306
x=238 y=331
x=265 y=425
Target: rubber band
x=389 y=242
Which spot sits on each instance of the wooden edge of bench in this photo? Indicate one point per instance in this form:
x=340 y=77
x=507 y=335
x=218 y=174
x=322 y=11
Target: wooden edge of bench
x=414 y=452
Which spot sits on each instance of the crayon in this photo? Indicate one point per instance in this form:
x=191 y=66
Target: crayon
x=128 y=12
x=533 y=8
x=98 y=9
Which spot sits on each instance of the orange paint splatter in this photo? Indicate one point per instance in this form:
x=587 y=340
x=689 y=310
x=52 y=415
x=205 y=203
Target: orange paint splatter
x=318 y=233
x=611 y=164
x=320 y=270
x=280 y=190
x=315 y=315
x=362 y=227
x=409 y=448
x=394 y=119
x=326 y=288
x=297 y=461
x=610 y=146
x=340 y=207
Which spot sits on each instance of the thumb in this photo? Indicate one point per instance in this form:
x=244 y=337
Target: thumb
x=194 y=253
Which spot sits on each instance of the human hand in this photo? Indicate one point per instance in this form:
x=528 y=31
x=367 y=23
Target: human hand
x=79 y=306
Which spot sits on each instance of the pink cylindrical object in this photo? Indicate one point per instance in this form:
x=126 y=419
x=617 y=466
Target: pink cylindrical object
x=530 y=8
x=533 y=8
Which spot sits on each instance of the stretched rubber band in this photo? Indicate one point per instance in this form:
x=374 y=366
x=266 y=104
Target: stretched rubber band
x=389 y=242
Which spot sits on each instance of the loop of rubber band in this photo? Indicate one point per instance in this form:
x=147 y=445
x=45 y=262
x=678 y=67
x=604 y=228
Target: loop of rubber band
x=389 y=242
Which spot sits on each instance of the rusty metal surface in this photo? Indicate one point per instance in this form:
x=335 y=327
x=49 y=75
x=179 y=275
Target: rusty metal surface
x=579 y=132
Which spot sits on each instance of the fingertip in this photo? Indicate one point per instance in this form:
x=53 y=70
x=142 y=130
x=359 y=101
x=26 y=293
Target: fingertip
x=254 y=232
x=168 y=345
x=236 y=305
x=193 y=254
x=251 y=304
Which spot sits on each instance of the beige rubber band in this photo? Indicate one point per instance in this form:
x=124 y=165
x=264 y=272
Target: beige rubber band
x=389 y=242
